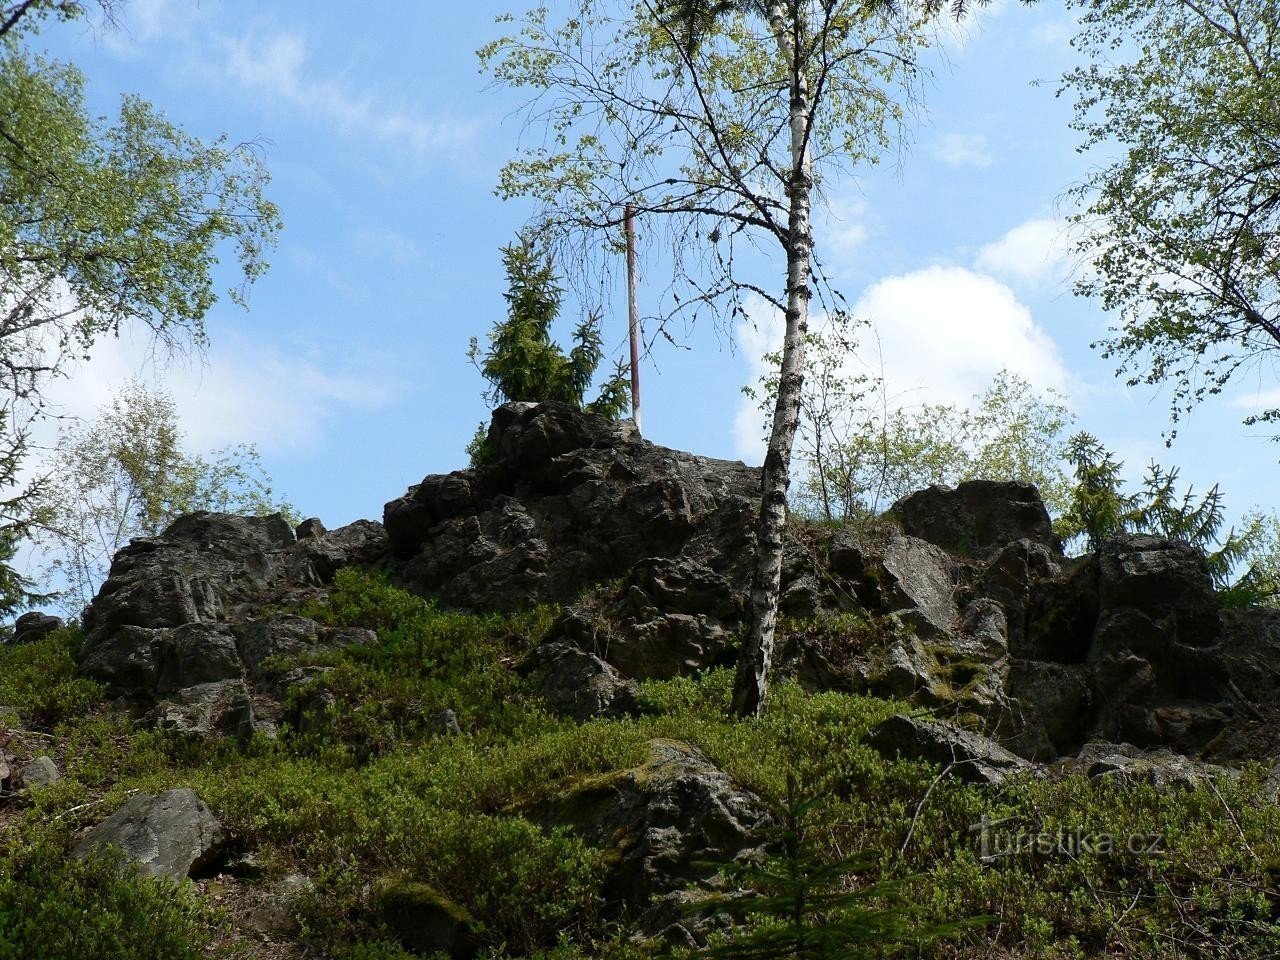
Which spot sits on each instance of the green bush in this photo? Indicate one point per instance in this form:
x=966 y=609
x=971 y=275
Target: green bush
x=56 y=907
x=38 y=680
x=425 y=660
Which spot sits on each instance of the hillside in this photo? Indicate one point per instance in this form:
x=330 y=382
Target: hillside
x=495 y=725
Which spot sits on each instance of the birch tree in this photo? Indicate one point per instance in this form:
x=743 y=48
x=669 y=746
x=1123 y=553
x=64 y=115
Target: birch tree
x=1182 y=226
x=725 y=120
x=126 y=474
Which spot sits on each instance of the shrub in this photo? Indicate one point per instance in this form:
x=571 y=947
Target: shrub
x=56 y=907
x=38 y=680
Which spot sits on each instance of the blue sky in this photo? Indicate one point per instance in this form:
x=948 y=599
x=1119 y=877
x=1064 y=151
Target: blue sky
x=349 y=370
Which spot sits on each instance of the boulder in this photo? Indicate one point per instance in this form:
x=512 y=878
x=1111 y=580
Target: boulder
x=172 y=834
x=425 y=920
x=669 y=821
x=918 y=580
x=34 y=626
x=320 y=553
x=40 y=772
x=578 y=684
x=310 y=528
x=978 y=517
x=1159 y=768
x=965 y=755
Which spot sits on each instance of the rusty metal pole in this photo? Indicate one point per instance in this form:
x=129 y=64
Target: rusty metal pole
x=633 y=315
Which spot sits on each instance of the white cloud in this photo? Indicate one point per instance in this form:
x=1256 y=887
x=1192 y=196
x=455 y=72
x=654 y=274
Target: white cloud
x=145 y=22
x=1034 y=251
x=1258 y=401
x=963 y=150
x=939 y=334
x=241 y=393
x=326 y=271
x=277 y=67
x=1054 y=33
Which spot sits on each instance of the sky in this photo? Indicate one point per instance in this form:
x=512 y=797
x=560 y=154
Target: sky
x=349 y=370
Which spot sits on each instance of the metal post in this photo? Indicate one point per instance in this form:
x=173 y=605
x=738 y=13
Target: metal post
x=633 y=315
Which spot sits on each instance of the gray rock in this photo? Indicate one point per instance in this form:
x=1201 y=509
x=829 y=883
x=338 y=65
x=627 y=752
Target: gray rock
x=40 y=772
x=199 y=570
x=157 y=621
x=669 y=821
x=978 y=517
x=34 y=626
x=963 y=754
x=920 y=582
x=1156 y=675
x=446 y=721
x=1160 y=768
x=272 y=911
x=572 y=500
x=319 y=556
x=1052 y=706
x=207 y=709
x=197 y=653
x=288 y=635
x=578 y=684
x=172 y=834
x=125 y=659
x=310 y=528
x=1015 y=578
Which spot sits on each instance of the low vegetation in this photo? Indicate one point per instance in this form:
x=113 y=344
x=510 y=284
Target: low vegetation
x=376 y=793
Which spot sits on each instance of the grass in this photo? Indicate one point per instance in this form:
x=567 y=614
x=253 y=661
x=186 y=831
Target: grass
x=376 y=793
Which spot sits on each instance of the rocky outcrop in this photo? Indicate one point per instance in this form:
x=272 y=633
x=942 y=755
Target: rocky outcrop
x=962 y=754
x=172 y=834
x=978 y=517
x=185 y=621
x=668 y=821
x=966 y=606
x=1126 y=646
x=570 y=501
x=34 y=626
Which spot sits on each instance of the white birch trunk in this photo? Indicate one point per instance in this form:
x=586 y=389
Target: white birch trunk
x=757 y=652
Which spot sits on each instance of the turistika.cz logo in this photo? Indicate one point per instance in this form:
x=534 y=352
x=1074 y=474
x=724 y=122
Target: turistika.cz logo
x=999 y=839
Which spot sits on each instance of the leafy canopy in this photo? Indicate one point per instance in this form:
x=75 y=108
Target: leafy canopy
x=104 y=225
x=1181 y=233
x=696 y=136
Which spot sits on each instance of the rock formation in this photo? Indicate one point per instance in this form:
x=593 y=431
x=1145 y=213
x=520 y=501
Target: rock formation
x=963 y=603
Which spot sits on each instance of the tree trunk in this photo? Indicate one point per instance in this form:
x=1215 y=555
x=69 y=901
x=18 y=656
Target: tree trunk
x=757 y=653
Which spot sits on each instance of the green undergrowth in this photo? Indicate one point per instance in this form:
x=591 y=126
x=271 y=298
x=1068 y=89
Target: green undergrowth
x=372 y=790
